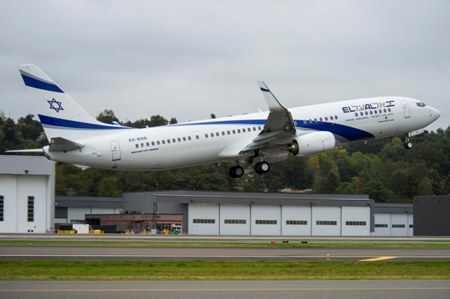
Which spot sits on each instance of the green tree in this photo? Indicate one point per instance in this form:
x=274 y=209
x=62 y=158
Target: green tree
x=377 y=191
x=108 y=117
x=108 y=186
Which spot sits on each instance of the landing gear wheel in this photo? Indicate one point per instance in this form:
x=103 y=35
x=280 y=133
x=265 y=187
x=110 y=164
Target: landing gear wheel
x=236 y=172
x=407 y=144
x=262 y=167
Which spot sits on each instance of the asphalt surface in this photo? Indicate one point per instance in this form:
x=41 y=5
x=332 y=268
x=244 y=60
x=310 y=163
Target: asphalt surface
x=215 y=253
x=227 y=289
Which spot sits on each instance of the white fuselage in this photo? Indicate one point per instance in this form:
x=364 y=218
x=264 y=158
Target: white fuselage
x=195 y=143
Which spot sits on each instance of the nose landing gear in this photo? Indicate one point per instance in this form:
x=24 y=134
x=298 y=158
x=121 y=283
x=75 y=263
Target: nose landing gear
x=407 y=143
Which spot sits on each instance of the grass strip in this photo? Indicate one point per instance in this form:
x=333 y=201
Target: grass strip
x=144 y=243
x=221 y=270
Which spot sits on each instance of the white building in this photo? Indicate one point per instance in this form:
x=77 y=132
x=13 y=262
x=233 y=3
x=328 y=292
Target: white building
x=27 y=205
x=27 y=186
x=261 y=214
x=394 y=220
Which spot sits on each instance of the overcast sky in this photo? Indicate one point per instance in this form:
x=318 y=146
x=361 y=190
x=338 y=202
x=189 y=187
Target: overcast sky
x=188 y=59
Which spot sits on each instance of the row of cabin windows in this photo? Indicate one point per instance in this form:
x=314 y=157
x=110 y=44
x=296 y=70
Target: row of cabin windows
x=371 y=112
x=189 y=138
x=310 y=121
x=168 y=141
x=229 y=132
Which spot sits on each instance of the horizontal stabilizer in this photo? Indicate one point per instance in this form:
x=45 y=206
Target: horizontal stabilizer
x=59 y=144
x=26 y=151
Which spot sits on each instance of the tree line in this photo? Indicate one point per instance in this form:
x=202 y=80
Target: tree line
x=381 y=168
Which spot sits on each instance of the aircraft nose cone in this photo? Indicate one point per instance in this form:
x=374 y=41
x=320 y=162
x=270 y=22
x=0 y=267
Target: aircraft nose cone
x=434 y=113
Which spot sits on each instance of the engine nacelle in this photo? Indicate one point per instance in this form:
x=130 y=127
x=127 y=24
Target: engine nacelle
x=313 y=143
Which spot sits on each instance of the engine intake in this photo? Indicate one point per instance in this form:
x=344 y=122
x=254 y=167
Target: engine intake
x=312 y=143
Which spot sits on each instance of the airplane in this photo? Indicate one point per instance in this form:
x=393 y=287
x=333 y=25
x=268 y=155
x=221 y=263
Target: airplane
x=258 y=138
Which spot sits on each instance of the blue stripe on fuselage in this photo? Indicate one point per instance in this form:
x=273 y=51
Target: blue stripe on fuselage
x=346 y=132
x=70 y=124
x=35 y=83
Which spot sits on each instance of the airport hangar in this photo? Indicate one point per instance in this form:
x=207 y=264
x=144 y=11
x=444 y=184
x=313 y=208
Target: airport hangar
x=238 y=213
x=28 y=205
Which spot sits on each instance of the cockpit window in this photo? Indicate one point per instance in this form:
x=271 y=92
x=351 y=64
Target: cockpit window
x=420 y=104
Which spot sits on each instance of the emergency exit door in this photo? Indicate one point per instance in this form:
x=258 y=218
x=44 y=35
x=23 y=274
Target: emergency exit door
x=115 y=150
x=405 y=107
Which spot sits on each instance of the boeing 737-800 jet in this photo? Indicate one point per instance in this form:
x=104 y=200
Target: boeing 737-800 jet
x=258 y=138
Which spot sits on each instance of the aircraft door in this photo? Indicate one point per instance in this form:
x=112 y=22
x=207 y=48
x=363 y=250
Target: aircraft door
x=405 y=107
x=115 y=150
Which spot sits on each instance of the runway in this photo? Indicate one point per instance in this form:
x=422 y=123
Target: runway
x=216 y=253
x=415 y=289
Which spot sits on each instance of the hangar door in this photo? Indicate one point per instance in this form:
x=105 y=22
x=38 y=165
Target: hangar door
x=203 y=219
x=235 y=220
x=326 y=221
x=266 y=220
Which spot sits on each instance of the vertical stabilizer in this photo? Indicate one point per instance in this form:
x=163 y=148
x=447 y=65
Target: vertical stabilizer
x=59 y=114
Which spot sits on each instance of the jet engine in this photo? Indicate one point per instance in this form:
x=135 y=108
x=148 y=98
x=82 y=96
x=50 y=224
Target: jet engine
x=312 y=143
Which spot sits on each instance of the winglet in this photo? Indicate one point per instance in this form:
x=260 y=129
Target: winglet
x=279 y=119
x=271 y=100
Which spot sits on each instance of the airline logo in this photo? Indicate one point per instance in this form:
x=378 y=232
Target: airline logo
x=368 y=106
x=55 y=105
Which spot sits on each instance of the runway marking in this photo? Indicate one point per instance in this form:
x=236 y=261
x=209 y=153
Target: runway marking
x=227 y=289
x=380 y=258
x=150 y=256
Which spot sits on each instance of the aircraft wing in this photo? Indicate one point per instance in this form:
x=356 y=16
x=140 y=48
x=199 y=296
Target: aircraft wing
x=280 y=127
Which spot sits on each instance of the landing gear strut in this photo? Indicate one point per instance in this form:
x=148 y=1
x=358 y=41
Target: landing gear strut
x=407 y=143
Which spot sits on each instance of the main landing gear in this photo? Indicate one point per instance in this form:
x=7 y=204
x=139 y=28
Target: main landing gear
x=236 y=171
x=260 y=168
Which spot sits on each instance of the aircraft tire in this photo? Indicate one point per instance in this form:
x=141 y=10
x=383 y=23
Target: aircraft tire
x=236 y=172
x=262 y=167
